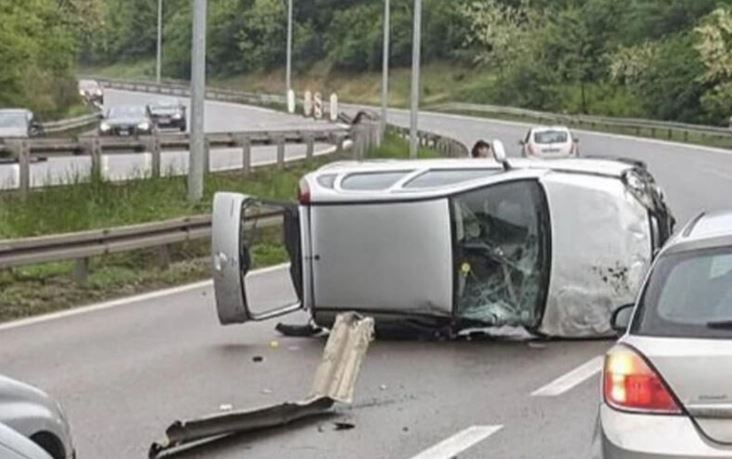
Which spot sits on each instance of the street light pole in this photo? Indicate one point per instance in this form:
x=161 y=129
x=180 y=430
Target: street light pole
x=158 y=63
x=196 y=163
x=416 y=47
x=289 y=47
x=385 y=67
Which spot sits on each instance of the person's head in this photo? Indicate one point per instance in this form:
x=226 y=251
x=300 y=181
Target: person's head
x=481 y=149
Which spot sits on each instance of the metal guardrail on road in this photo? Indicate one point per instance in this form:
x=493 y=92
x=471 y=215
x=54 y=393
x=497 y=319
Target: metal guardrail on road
x=70 y=124
x=637 y=125
x=26 y=150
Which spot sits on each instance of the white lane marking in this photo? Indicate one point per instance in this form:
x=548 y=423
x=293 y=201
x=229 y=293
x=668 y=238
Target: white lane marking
x=125 y=301
x=458 y=443
x=569 y=380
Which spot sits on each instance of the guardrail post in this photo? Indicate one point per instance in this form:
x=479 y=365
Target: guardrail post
x=206 y=156
x=154 y=148
x=163 y=256
x=22 y=150
x=94 y=149
x=246 y=155
x=81 y=271
x=280 y=151
x=309 y=145
x=670 y=134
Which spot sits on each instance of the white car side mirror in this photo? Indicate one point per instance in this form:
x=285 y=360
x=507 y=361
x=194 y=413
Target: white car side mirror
x=499 y=154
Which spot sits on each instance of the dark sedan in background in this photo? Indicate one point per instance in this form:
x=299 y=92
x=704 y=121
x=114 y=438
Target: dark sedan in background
x=126 y=120
x=168 y=115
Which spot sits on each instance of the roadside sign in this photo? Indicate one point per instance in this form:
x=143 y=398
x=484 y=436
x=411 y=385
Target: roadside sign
x=308 y=104
x=317 y=105
x=334 y=107
x=291 y=101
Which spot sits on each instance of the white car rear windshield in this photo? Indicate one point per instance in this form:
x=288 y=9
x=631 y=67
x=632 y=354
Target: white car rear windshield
x=689 y=295
x=544 y=137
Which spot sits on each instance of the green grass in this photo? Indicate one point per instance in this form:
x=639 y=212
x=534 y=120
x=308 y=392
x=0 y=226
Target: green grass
x=49 y=287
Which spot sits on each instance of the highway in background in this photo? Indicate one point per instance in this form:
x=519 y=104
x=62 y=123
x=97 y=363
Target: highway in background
x=220 y=117
x=125 y=370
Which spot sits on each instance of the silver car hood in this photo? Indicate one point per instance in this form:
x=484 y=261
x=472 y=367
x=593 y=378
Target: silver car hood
x=601 y=249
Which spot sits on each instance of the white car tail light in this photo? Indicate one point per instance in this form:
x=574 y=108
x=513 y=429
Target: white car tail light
x=630 y=384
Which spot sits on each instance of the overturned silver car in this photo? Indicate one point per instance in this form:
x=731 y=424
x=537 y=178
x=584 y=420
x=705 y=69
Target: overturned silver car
x=450 y=244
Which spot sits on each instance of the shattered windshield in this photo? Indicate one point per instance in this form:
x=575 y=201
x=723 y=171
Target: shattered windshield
x=501 y=236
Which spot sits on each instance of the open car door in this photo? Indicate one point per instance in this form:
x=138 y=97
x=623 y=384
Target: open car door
x=248 y=233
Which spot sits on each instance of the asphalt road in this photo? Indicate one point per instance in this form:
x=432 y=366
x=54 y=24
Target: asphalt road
x=220 y=117
x=124 y=371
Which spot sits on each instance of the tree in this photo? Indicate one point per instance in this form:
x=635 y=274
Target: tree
x=714 y=44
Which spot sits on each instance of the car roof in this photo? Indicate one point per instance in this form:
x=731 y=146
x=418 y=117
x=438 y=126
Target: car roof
x=520 y=169
x=14 y=111
x=706 y=230
x=549 y=128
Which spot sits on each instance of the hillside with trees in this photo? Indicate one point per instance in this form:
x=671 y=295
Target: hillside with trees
x=666 y=59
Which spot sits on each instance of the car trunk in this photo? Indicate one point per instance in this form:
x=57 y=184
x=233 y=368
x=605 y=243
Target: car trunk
x=699 y=373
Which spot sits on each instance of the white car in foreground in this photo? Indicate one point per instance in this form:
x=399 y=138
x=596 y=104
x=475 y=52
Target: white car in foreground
x=544 y=142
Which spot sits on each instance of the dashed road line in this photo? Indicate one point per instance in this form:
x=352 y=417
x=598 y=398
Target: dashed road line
x=458 y=443
x=569 y=380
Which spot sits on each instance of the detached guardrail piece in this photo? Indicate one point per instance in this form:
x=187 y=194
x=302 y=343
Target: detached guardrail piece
x=335 y=381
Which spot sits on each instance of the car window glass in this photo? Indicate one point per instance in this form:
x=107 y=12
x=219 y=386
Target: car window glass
x=12 y=120
x=500 y=242
x=435 y=178
x=120 y=112
x=372 y=180
x=686 y=292
x=543 y=137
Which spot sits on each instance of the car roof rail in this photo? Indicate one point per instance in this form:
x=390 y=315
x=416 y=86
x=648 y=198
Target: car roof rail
x=690 y=226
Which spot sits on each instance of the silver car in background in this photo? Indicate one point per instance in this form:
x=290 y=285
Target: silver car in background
x=667 y=384
x=547 y=142
x=451 y=244
x=34 y=414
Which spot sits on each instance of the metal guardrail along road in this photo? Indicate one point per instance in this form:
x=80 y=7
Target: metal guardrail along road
x=655 y=128
x=26 y=150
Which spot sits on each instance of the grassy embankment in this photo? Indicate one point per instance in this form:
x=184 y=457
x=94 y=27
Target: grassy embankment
x=49 y=287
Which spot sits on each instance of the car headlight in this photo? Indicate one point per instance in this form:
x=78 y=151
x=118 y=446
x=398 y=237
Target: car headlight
x=105 y=127
x=82 y=93
x=177 y=116
x=144 y=126
x=98 y=92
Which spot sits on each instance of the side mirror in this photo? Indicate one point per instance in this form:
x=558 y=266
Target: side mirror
x=620 y=320
x=521 y=142
x=499 y=154
x=575 y=140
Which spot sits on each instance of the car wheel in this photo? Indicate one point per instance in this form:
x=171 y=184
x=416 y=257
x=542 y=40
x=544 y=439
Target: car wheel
x=50 y=444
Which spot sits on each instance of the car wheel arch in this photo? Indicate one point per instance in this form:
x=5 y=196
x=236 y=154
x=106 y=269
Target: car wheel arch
x=50 y=443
